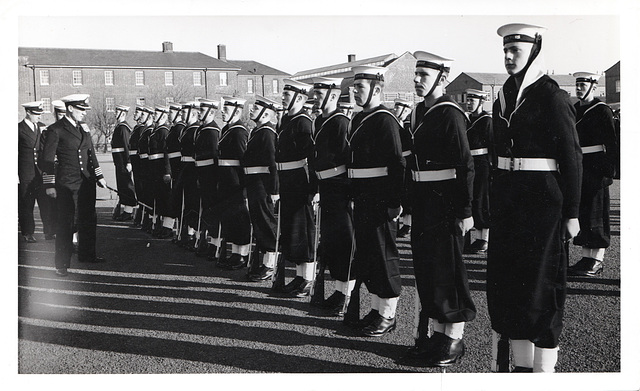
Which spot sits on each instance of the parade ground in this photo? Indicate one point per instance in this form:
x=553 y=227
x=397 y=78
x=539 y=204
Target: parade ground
x=155 y=308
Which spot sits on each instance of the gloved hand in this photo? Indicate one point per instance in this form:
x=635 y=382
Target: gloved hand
x=167 y=179
x=464 y=225
x=274 y=197
x=102 y=183
x=129 y=167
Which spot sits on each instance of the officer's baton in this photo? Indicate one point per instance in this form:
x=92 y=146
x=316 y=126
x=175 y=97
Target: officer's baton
x=118 y=193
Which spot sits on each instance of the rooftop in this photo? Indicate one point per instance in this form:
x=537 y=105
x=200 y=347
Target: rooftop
x=255 y=68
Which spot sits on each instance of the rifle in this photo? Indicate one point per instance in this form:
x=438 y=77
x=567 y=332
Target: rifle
x=317 y=286
x=278 y=273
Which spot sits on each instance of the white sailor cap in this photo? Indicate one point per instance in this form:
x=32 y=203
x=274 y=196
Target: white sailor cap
x=296 y=86
x=34 y=107
x=175 y=106
x=327 y=83
x=473 y=93
x=520 y=32
x=433 y=61
x=148 y=109
x=309 y=103
x=191 y=104
x=58 y=105
x=162 y=109
x=208 y=103
x=233 y=101
x=403 y=102
x=122 y=108
x=368 y=72
x=77 y=100
x=266 y=103
x=587 y=77
x=344 y=103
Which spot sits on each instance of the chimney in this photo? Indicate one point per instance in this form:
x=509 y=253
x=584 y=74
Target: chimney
x=167 y=47
x=222 y=52
x=351 y=57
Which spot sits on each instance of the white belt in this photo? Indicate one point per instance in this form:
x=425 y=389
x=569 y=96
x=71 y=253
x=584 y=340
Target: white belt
x=133 y=152
x=291 y=165
x=117 y=150
x=256 y=170
x=331 y=172
x=479 y=151
x=229 y=162
x=433 y=175
x=144 y=155
x=188 y=159
x=406 y=153
x=527 y=164
x=156 y=156
x=594 y=149
x=173 y=154
x=368 y=172
x=202 y=163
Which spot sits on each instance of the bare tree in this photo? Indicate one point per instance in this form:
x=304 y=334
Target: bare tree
x=101 y=122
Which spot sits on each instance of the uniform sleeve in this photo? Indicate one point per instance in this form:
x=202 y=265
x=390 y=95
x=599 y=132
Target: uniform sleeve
x=456 y=128
x=164 y=132
x=126 y=135
x=47 y=158
x=562 y=119
x=488 y=138
x=269 y=142
x=608 y=128
x=94 y=161
x=391 y=148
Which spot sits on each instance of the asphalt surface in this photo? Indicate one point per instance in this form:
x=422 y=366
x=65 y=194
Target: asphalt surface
x=156 y=308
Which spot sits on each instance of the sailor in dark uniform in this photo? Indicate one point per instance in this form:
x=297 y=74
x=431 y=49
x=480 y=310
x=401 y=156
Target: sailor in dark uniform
x=188 y=180
x=402 y=109
x=442 y=180
x=74 y=183
x=331 y=154
x=140 y=115
x=376 y=169
x=261 y=184
x=120 y=153
x=205 y=154
x=480 y=136
x=160 y=174
x=346 y=107
x=29 y=175
x=596 y=130
x=172 y=154
x=535 y=198
x=231 y=207
x=149 y=219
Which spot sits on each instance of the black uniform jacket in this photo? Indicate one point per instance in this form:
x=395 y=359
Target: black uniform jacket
x=480 y=133
x=134 y=139
x=76 y=158
x=157 y=145
x=29 y=145
x=187 y=141
x=143 y=141
x=260 y=152
x=120 y=145
x=172 y=147
x=206 y=142
x=595 y=126
x=374 y=139
x=231 y=147
x=331 y=148
x=294 y=144
x=440 y=142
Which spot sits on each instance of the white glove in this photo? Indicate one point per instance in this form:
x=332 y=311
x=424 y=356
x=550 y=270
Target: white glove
x=129 y=168
x=275 y=198
x=102 y=183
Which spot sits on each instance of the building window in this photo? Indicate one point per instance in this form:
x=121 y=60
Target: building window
x=274 y=86
x=110 y=104
x=139 y=78
x=223 y=78
x=44 y=77
x=77 y=78
x=168 y=78
x=249 y=86
x=46 y=105
x=617 y=85
x=140 y=101
x=108 y=78
x=197 y=79
x=167 y=100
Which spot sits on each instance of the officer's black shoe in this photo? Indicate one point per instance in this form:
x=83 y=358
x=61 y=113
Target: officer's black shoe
x=522 y=370
x=586 y=267
x=478 y=246
x=62 y=272
x=420 y=351
x=302 y=290
x=404 y=231
x=334 y=303
x=379 y=327
x=92 y=260
x=29 y=238
x=263 y=273
x=235 y=262
x=444 y=351
x=165 y=233
x=49 y=236
x=355 y=323
x=293 y=284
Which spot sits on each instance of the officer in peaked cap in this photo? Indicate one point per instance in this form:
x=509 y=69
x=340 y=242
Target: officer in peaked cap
x=331 y=154
x=230 y=208
x=480 y=136
x=145 y=195
x=140 y=116
x=160 y=174
x=536 y=154
x=261 y=183
x=72 y=183
x=441 y=192
x=297 y=188
x=29 y=175
x=376 y=169
x=122 y=162
x=172 y=155
x=59 y=109
x=596 y=130
x=402 y=108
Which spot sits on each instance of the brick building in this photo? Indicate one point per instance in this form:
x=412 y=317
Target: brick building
x=612 y=77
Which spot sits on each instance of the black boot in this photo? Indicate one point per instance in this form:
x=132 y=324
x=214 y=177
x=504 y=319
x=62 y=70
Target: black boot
x=444 y=351
x=235 y=262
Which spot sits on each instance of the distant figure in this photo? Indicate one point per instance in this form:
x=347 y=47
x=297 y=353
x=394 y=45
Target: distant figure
x=122 y=162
